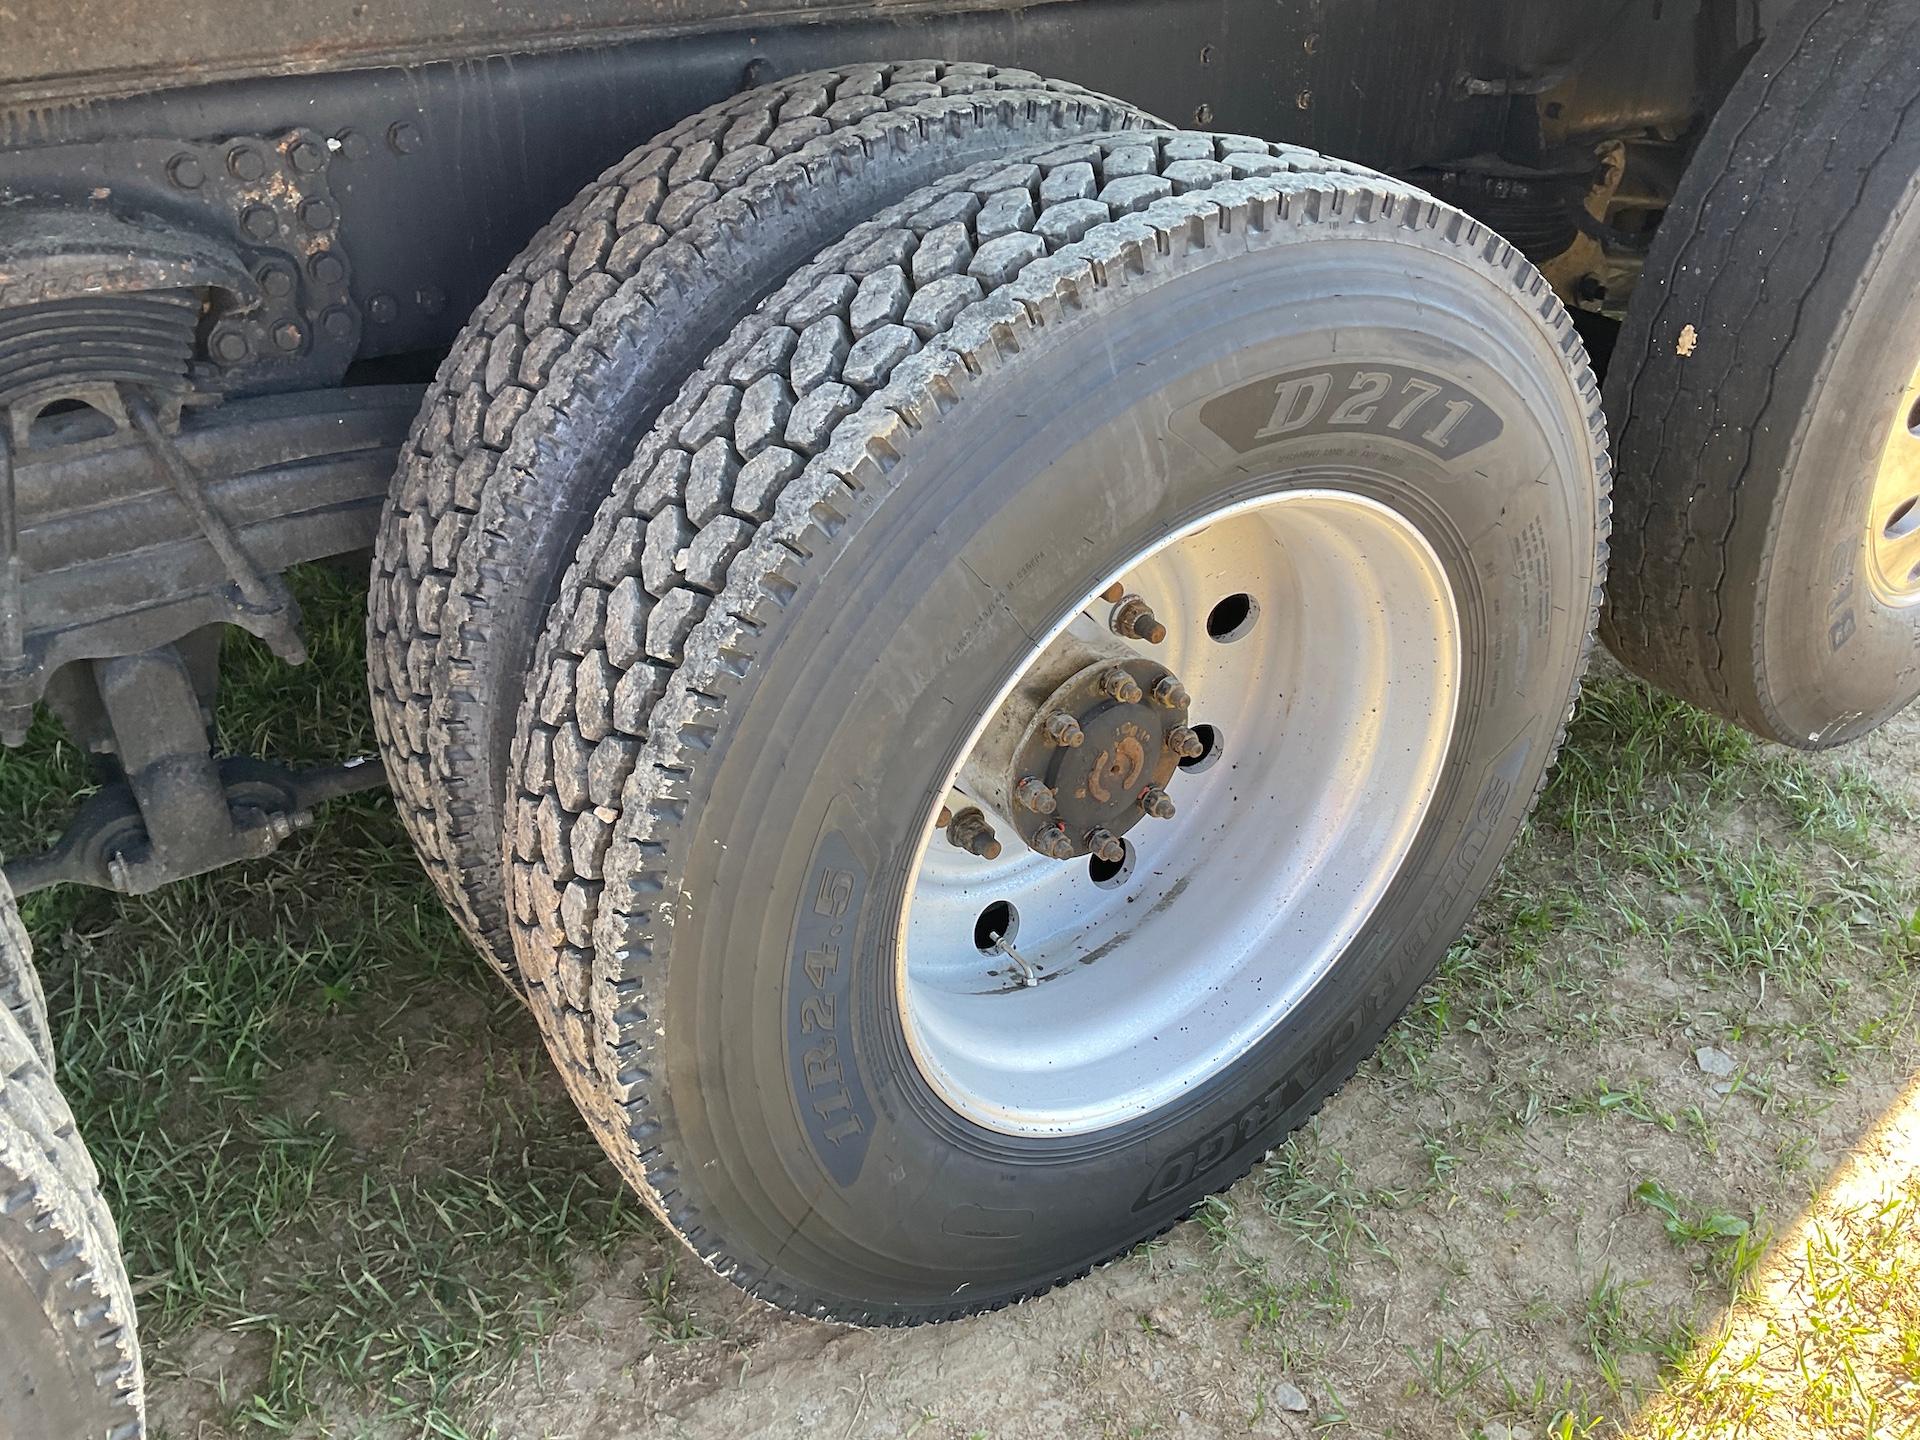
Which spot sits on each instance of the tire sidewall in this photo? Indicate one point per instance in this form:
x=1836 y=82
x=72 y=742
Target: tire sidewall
x=806 y=812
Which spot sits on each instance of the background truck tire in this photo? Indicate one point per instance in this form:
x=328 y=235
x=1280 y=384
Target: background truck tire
x=698 y=736
x=69 y=1359
x=571 y=356
x=1763 y=378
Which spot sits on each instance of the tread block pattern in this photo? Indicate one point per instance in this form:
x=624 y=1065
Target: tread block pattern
x=592 y=915
x=451 y=533
x=54 y=1220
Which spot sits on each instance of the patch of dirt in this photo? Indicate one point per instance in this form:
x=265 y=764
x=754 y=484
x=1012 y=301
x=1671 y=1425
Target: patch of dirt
x=1470 y=1240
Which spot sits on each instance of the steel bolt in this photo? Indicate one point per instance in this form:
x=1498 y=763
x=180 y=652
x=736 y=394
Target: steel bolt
x=338 y=323
x=1053 y=842
x=317 y=215
x=404 y=137
x=305 y=156
x=1106 y=846
x=971 y=832
x=1062 y=729
x=186 y=172
x=1171 y=693
x=1157 y=803
x=1113 y=593
x=327 y=267
x=352 y=144
x=259 y=222
x=1036 y=795
x=229 y=346
x=246 y=163
x=1186 y=742
x=1121 y=686
x=1133 y=618
x=289 y=335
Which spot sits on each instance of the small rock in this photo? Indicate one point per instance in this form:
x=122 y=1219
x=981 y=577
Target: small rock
x=1501 y=1430
x=1165 y=1322
x=1714 y=1061
x=1724 y=1087
x=1287 y=1396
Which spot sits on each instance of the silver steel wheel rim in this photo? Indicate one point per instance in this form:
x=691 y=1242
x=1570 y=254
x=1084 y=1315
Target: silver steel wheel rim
x=1333 y=706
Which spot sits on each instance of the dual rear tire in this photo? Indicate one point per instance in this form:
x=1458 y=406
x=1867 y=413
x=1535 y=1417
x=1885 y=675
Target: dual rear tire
x=830 y=559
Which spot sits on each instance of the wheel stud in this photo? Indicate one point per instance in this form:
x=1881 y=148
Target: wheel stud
x=1121 y=686
x=1157 y=803
x=1170 y=693
x=1133 y=619
x=1186 y=742
x=1065 y=731
x=1053 y=842
x=1106 y=846
x=970 y=831
x=1036 y=795
x=1113 y=593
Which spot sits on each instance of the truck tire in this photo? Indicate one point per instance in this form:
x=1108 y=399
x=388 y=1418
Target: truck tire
x=20 y=992
x=880 y=1072
x=569 y=358
x=1766 y=395
x=69 y=1359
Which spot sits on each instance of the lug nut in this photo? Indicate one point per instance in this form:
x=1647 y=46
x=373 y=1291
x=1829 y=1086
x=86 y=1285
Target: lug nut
x=1053 y=842
x=1133 y=618
x=1064 y=730
x=971 y=832
x=945 y=817
x=1106 y=846
x=1121 y=686
x=1036 y=795
x=1157 y=803
x=1113 y=593
x=1171 y=693
x=1186 y=742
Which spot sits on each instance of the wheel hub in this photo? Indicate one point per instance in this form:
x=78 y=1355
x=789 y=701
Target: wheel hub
x=1124 y=754
x=1318 y=636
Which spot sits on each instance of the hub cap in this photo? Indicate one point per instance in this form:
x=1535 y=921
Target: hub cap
x=1893 y=522
x=1231 y=828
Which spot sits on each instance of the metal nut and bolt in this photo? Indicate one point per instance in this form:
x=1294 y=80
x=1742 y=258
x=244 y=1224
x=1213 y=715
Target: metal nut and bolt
x=1157 y=803
x=1121 y=686
x=1106 y=846
x=1036 y=795
x=1133 y=619
x=1170 y=693
x=1053 y=842
x=1065 y=731
x=1186 y=742
x=970 y=831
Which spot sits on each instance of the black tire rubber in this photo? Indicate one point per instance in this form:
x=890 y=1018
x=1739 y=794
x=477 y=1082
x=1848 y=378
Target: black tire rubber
x=69 y=1358
x=1020 y=330
x=20 y=992
x=571 y=356
x=1754 y=383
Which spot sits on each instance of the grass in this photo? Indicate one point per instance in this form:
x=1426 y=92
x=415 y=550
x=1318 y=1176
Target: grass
x=356 y=1202
x=377 y=1235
